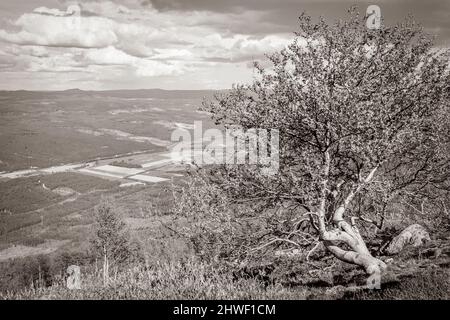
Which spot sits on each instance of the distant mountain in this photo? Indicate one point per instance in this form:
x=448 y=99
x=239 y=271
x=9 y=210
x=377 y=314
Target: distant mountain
x=71 y=91
x=139 y=93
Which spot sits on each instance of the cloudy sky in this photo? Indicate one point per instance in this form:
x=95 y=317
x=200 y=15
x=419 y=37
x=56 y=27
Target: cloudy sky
x=169 y=44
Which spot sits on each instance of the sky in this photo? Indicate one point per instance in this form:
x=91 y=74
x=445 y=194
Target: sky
x=168 y=44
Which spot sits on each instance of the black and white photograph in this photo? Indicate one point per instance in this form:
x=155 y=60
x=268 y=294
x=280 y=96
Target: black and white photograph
x=242 y=151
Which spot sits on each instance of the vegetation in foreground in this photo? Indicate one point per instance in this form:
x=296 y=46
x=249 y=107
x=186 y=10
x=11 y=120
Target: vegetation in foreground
x=116 y=267
x=193 y=279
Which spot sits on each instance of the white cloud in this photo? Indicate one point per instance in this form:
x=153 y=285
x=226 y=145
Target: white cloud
x=108 y=56
x=129 y=42
x=106 y=8
x=53 y=12
x=62 y=31
x=143 y=67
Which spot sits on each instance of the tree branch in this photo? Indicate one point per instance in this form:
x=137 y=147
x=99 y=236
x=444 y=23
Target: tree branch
x=339 y=213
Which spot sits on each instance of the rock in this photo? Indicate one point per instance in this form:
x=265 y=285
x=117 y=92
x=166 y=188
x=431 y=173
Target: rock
x=414 y=235
x=73 y=281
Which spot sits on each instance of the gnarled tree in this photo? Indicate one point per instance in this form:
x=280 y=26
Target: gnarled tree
x=362 y=115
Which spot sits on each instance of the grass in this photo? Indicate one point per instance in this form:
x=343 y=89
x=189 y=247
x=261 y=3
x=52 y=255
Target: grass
x=79 y=182
x=195 y=280
x=180 y=280
x=430 y=285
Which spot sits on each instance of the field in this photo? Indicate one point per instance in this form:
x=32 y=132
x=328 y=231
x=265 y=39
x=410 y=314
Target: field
x=61 y=152
x=47 y=129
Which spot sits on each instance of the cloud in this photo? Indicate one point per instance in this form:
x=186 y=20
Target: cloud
x=72 y=10
x=143 y=67
x=239 y=48
x=133 y=31
x=110 y=42
x=106 y=8
x=62 y=31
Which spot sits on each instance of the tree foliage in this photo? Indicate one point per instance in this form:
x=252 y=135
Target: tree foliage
x=111 y=241
x=363 y=116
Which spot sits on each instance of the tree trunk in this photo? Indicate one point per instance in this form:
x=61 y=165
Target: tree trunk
x=347 y=234
x=105 y=268
x=358 y=253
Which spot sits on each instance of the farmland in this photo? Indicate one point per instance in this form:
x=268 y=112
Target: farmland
x=61 y=152
x=46 y=129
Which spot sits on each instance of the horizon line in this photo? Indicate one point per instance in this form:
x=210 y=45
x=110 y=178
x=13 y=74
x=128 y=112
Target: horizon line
x=105 y=90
